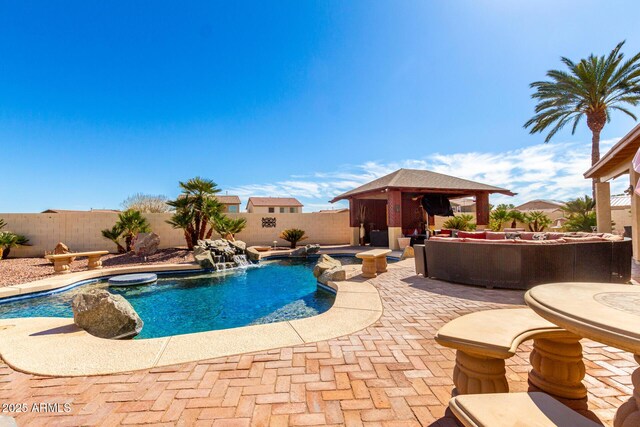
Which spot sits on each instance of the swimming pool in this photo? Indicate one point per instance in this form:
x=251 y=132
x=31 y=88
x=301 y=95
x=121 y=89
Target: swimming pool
x=277 y=290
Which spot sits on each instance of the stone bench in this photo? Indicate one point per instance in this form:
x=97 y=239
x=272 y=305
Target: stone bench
x=484 y=339
x=511 y=409
x=61 y=262
x=373 y=262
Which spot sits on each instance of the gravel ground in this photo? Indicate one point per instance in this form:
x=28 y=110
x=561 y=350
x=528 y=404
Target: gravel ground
x=14 y=271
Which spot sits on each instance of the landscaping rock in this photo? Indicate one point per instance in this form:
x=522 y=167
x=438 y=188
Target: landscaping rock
x=408 y=253
x=105 y=315
x=61 y=249
x=239 y=245
x=305 y=250
x=325 y=262
x=203 y=257
x=253 y=254
x=146 y=244
x=334 y=275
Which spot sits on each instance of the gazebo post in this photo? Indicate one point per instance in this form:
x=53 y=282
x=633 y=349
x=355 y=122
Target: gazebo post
x=603 y=207
x=482 y=210
x=354 y=226
x=635 y=215
x=394 y=218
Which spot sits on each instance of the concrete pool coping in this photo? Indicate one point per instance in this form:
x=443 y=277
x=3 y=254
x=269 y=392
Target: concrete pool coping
x=56 y=347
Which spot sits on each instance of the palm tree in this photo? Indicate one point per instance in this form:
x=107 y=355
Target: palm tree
x=537 y=220
x=580 y=214
x=131 y=222
x=592 y=87
x=515 y=216
x=293 y=236
x=196 y=208
x=114 y=234
x=227 y=227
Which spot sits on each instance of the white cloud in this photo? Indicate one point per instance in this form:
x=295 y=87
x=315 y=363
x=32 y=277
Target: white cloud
x=543 y=171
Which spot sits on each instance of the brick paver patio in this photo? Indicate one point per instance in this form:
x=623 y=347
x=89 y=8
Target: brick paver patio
x=390 y=374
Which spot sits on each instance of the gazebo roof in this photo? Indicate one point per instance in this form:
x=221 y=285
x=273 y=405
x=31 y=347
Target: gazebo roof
x=419 y=180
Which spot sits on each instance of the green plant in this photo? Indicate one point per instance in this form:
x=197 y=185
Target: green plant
x=591 y=87
x=498 y=216
x=515 y=216
x=129 y=224
x=113 y=234
x=462 y=222
x=580 y=214
x=9 y=240
x=196 y=209
x=293 y=236
x=2 y=223
x=537 y=220
x=227 y=227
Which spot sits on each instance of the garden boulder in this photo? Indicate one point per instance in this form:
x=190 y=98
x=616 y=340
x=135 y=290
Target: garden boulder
x=105 y=315
x=253 y=254
x=325 y=262
x=146 y=244
x=306 y=250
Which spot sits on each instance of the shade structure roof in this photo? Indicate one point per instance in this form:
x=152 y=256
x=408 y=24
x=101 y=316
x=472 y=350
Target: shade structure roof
x=615 y=161
x=422 y=181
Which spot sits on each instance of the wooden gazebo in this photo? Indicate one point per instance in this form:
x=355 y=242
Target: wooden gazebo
x=393 y=202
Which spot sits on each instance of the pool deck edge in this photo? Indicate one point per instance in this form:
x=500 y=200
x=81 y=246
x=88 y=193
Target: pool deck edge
x=56 y=347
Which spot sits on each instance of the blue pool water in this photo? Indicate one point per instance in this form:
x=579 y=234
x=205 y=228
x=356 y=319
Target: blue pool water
x=179 y=304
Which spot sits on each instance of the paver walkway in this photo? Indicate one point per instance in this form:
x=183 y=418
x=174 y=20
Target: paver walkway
x=390 y=374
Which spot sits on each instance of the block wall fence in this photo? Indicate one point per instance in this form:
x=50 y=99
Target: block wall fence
x=81 y=230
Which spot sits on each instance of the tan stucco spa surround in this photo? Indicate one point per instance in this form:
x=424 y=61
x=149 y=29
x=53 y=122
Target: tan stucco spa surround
x=56 y=347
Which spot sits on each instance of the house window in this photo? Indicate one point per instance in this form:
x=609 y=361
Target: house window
x=233 y=208
x=281 y=210
x=292 y=210
x=272 y=210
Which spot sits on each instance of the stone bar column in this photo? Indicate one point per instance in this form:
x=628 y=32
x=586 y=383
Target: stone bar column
x=394 y=218
x=354 y=226
x=635 y=215
x=482 y=210
x=603 y=207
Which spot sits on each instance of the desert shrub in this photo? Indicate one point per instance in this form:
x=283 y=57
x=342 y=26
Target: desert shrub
x=146 y=203
x=462 y=222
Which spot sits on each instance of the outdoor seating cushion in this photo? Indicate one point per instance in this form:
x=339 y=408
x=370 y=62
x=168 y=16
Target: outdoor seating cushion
x=447 y=239
x=489 y=241
x=496 y=235
x=554 y=236
x=445 y=232
x=542 y=242
x=533 y=409
x=472 y=234
x=584 y=239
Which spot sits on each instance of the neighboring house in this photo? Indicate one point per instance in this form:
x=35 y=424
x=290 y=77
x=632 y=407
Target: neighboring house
x=273 y=205
x=231 y=204
x=620 y=212
x=464 y=205
x=540 y=205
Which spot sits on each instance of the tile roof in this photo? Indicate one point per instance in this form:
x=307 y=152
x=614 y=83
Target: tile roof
x=229 y=200
x=423 y=180
x=274 y=201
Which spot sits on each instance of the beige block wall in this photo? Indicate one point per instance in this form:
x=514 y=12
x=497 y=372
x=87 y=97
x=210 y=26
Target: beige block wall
x=621 y=217
x=81 y=230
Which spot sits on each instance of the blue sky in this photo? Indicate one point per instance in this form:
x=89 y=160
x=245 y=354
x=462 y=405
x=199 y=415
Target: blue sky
x=100 y=100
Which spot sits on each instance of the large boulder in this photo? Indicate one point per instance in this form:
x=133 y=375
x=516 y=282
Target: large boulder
x=253 y=254
x=203 y=257
x=336 y=274
x=305 y=250
x=105 y=315
x=325 y=262
x=146 y=244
